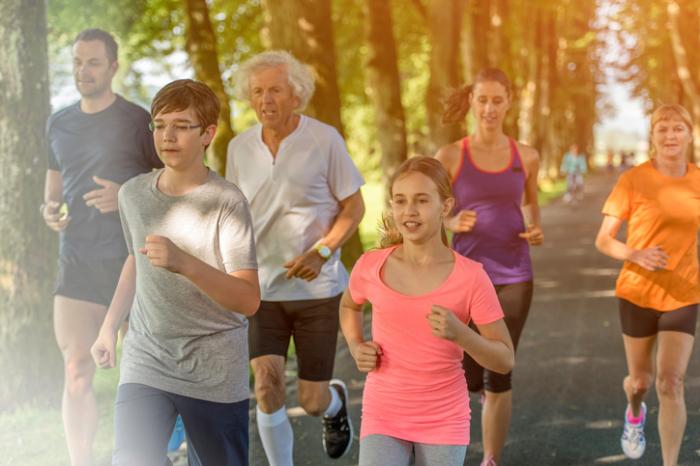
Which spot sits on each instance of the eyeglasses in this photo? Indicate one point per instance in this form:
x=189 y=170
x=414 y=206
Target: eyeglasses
x=179 y=127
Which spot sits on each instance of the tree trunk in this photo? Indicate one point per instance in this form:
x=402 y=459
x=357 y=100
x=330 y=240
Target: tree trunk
x=30 y=363
x=384 y=86
x=685 y=70
x=503 y=33
x=468 y=46
x=305 y=28
x=497 y=9
x=480 y=21
x=527 y=118
x=201 y=48
x=547 y=130
x=444 y=20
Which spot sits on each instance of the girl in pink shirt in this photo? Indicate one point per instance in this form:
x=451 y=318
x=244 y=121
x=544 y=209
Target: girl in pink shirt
x=423 y=294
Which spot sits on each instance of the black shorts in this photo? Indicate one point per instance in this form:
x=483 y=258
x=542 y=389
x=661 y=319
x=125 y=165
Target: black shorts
x=642 y=322
x=93 y=281
x=314 y=325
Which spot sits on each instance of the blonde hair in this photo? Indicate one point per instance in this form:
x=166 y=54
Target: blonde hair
x=433 y=169
x=666 y=112
x=299 y=76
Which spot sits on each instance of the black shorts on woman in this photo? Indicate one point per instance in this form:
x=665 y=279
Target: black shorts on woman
x=640 y=322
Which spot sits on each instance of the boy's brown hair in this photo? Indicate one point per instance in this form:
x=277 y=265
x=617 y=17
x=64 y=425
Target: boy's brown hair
x=186 y=93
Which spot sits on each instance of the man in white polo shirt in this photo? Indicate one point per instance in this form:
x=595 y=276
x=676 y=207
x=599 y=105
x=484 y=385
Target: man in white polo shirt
x=305 y=200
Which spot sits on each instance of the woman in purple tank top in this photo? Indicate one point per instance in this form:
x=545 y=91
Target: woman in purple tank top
x=496 y=219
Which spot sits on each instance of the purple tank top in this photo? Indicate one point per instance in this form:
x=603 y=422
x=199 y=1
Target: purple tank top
x=496 y=198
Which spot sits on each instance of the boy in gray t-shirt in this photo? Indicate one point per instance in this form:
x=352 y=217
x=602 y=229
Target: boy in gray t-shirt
x=191 y=275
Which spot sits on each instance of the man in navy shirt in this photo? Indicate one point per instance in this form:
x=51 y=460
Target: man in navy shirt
x=95 y=145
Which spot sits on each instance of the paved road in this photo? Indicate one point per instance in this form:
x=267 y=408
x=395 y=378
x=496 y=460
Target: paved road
x=568 y=397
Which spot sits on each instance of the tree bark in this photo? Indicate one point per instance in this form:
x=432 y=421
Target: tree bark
x=30 y=363
x=497 y=11
x=444 y=22
x=547 y=134
x=479 y=31
x=201 y=48
x=529 y=97
x=305 y=28
x=384 y=87
x=685 y=69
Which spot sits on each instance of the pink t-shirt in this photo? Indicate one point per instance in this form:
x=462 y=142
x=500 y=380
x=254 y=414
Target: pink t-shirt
x=418 y=393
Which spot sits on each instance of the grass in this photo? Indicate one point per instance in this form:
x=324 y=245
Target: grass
x=33 y=435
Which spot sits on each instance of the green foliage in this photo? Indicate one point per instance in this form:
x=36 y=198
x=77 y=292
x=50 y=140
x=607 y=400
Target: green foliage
x=237 y=25
x=647 y=61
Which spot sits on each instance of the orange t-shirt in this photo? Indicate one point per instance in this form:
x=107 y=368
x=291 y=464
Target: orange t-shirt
x=661 y=211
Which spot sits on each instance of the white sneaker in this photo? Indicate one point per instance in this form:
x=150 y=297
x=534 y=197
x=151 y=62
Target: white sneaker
x=633 y=441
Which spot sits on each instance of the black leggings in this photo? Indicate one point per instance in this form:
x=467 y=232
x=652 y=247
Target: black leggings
x=515 y=300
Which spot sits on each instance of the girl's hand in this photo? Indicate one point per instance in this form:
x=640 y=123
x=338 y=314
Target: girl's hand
x=366 y=355
x=444 y=323
x=652 y=259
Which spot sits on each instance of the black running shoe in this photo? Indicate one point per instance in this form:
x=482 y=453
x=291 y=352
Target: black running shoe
x=337 y=430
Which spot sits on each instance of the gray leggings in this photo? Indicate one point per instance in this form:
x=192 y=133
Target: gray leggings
x=382 y=450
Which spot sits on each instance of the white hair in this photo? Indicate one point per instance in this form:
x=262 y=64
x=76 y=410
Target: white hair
x=300 y=77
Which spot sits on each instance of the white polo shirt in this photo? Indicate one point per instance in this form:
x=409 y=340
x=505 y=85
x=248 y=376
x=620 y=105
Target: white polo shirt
x=294 y=200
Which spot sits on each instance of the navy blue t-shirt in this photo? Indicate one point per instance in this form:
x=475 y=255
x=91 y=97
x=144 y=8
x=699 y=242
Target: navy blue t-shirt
x=113 y=144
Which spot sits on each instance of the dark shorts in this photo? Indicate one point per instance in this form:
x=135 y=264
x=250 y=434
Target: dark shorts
x=515 y=300
x=314 y=325
x=93 y=281
x=642 y=322
x=217 y=433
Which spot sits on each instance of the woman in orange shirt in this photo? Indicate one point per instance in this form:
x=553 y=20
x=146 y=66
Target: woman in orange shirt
x=658 y=284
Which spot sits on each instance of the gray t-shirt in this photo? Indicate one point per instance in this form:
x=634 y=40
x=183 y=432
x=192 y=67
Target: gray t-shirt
x=180 y=340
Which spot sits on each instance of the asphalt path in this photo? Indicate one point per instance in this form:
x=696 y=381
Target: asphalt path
x=568 y=399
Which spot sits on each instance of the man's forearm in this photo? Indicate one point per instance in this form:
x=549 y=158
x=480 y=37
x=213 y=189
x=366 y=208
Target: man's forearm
x=347 y=221
x=53 y=187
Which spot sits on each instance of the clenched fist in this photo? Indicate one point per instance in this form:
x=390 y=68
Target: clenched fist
x=366 y=355
x=444 y=323
x=162 y=252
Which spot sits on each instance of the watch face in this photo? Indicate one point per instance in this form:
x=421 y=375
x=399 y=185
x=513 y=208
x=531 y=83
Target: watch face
x=324 y=251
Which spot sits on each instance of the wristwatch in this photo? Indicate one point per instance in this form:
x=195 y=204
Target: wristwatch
x=323 y=251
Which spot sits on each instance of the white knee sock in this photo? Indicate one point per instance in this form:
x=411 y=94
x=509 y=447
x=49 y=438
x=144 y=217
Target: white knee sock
x=277 y=436
x=335 y=403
